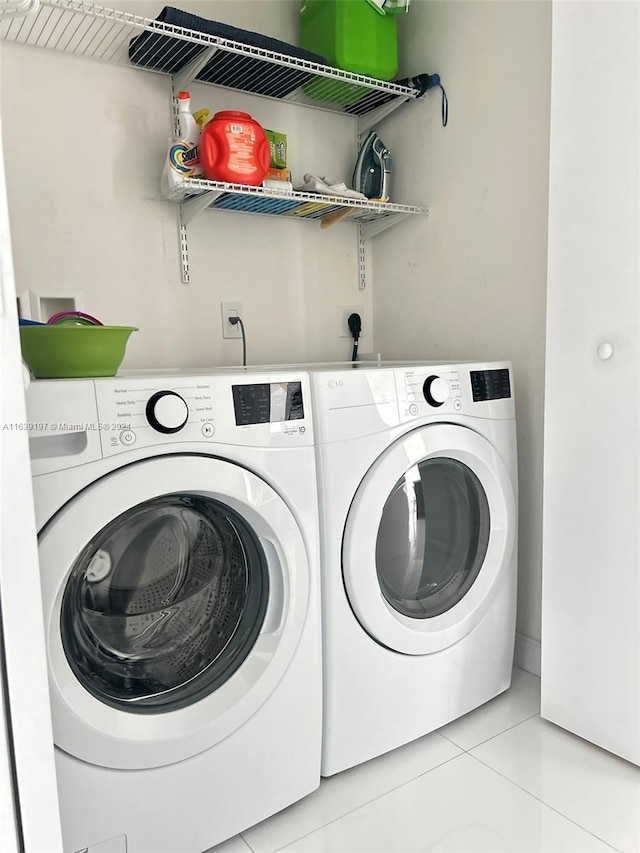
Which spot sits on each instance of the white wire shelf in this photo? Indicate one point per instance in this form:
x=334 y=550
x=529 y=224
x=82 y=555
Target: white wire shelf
x=373 y=216
x=96 y=32
x=232 y=59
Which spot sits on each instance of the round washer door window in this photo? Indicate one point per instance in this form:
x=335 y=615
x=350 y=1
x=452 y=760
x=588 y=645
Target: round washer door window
x=164 y=603
x=430 y=531
x=175 y=592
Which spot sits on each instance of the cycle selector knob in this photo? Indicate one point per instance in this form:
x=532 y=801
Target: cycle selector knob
x=435 y=390
x=167 y=412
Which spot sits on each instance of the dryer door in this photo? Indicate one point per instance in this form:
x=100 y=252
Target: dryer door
x=429 y=534
x=175 y=591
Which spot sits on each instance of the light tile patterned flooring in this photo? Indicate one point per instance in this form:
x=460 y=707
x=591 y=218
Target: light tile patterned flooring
x=500 y=779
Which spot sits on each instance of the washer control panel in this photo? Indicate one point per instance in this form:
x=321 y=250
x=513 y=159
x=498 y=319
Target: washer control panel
x=234 y=410
x=267 y=402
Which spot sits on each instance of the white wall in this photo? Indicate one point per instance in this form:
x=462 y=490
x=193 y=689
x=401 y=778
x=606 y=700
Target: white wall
x=87 y=142
x=470 y=281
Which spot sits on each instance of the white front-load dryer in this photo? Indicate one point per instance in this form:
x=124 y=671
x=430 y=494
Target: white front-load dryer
x=417 y=486
x=179 y=561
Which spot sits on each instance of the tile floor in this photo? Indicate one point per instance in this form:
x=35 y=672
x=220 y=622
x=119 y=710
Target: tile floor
x=499 y=779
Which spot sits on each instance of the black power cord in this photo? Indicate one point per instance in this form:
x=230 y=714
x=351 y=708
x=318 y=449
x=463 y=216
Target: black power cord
x=355 y=326
x=237 y=321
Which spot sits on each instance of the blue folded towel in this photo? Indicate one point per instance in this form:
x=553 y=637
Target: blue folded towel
x=169 y=53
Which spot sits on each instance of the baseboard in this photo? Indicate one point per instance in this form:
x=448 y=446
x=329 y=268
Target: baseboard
x=528 y=654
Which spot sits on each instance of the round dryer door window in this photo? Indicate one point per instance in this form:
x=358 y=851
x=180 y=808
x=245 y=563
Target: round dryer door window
x=175 y=592
x=430 y=531
x=432 y=538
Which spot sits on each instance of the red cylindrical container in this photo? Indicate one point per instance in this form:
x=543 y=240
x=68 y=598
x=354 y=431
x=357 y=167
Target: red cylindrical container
x=233 y=148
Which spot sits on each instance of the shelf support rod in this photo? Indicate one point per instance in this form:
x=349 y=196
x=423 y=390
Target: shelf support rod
x=184 y=249
x=183 y=78
x=362 y=261
x=371 y=119
x=186 y=212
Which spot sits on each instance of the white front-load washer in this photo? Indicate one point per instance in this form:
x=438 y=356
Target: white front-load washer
x=179 y=561
x=418 y=514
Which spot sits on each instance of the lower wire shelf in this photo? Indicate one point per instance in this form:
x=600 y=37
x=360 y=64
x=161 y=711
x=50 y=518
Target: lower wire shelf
x=273 y=202
x=371 y=215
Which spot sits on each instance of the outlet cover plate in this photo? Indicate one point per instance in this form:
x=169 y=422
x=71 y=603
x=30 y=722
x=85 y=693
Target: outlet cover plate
x=231 y=309
x=344 y=312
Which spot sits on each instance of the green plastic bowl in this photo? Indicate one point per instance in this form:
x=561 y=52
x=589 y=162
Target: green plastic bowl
x=74 y=352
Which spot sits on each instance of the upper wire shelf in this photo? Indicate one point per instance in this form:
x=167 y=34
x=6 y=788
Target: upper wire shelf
x=96 y=32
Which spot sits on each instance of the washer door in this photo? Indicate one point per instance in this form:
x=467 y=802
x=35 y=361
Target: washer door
x=429 y=533
x=175 y=592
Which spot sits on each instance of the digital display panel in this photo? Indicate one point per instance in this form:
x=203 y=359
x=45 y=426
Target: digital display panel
x=267 y=403
x=490 y=384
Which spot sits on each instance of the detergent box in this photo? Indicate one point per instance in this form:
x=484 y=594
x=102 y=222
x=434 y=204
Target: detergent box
x=277 y=149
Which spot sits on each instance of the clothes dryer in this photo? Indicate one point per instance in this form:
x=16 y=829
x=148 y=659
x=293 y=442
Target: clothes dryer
x=179 y=558
x=417 y=487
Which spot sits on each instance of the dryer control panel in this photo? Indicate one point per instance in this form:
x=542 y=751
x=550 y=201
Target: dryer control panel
x=482 y=390
x=424 y=391
x=490 y=384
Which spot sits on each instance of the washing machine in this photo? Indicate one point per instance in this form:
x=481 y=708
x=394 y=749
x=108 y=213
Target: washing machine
x=417 y=490
x=179 y=560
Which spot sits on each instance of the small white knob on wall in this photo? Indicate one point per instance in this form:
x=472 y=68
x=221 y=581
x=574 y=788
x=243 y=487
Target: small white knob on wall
x=605 y=351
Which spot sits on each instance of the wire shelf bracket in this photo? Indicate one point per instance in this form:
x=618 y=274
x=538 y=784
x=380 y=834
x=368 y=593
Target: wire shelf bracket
x=373 y=118
x=183 y=79
x=368 y=230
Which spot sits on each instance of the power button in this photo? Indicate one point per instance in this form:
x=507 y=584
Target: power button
x=127 y=437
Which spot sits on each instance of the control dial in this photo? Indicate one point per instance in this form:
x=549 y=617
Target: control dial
x=435 y=390
x=167 y=412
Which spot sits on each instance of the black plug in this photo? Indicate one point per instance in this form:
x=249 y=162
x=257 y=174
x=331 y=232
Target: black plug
x=355 y=327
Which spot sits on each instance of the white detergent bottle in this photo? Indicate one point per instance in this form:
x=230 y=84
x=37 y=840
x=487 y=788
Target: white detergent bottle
x=182 y=159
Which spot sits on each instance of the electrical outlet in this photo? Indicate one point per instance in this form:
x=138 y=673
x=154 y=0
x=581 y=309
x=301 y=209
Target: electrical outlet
x=344 y=312
x=231 y=309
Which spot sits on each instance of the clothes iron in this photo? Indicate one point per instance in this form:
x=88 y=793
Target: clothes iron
x=372 y=172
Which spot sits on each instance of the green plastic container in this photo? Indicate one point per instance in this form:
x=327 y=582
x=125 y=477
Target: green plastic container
x=74 y=352
x=351 y=35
